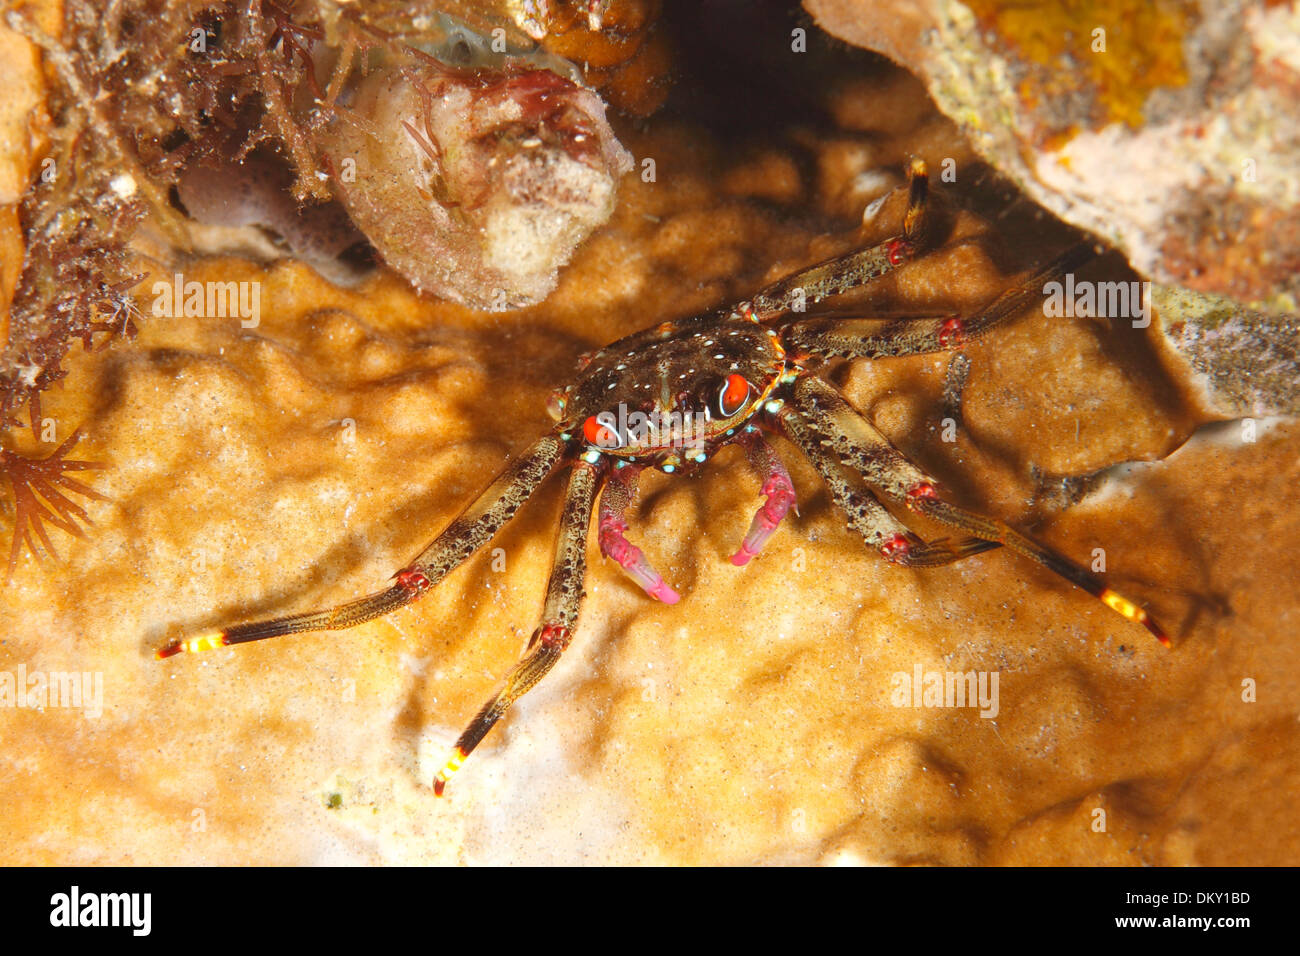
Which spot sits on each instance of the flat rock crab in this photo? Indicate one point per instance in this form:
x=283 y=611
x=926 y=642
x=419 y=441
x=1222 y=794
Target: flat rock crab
x=671 y=396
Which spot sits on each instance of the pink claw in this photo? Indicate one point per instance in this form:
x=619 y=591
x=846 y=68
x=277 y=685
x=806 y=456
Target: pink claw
x=780 y=499
x=663 y=592
x=631 y=560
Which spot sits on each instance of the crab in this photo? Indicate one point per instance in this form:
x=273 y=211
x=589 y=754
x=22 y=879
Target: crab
x=671 y=396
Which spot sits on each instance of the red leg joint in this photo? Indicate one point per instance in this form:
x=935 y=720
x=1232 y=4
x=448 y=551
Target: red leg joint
x=920 y=494
x=896 y=549
x=952 y=334
x=898 y=251
x=413 y=579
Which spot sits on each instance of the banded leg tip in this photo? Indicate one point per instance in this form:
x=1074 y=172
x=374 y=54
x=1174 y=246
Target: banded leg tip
x=1138 y=615
x=741 y=558
x=448 y=771
x=194 y=645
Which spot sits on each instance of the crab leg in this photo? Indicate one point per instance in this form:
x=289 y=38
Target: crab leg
x=619 y=491
x=469 y=532
x=836 y=276
x=867 y=516
x=867 y=338
x=778 y=489
x=564 y=594
x=857 y=443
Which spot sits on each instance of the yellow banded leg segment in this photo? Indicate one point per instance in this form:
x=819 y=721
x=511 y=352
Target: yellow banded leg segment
x=993 y=530
x=914 y=220
x=1123 y=606
x=449 y=770
x=208 y=641
x=564 y=594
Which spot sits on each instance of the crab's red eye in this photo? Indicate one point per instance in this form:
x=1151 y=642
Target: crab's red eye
x=735 y=390
x=600 y=435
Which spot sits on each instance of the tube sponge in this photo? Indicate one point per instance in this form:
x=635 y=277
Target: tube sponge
x=476 y=185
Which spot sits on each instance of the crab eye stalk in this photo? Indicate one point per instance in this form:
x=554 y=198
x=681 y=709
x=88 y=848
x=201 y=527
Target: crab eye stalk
x=601 y=435
x=733 y=395
x=557 y=403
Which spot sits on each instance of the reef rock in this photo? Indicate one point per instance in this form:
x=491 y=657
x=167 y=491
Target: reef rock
x=1169 y=129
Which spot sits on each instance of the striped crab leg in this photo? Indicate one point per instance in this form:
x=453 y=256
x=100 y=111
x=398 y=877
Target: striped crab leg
x=867 y=516
x=835 y=276
x=916 y=335
x=564 y=594
x=857 y=443
x=475 y=526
